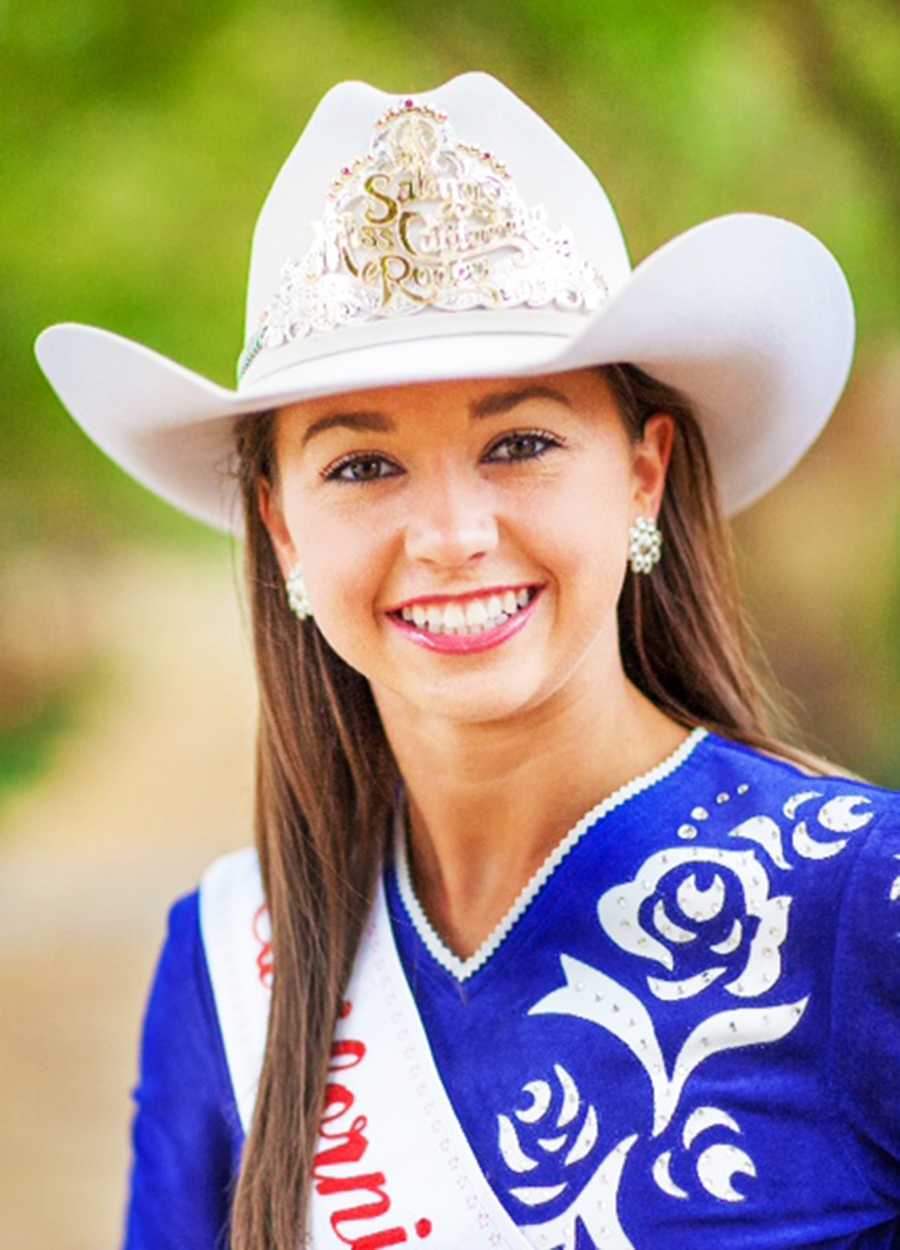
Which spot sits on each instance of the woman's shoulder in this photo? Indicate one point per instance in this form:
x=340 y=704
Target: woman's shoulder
x=226 y=881
x=239 y=865
x=218 y=926
x=235 y=934
x=815 y=837
x=232 y=915
x=791 y=793
x=823 y=851
x=231 y=881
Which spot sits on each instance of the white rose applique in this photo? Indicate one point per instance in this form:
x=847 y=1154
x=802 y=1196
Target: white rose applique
x=564 y=1128
x=705 y=915
x=694 y=917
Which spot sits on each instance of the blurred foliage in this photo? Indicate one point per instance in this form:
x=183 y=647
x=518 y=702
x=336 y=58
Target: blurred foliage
x=29 y=745
x=138 y=142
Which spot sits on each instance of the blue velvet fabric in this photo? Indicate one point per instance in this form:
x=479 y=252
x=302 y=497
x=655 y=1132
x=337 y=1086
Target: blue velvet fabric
x=689 y=1039
x=186 y=1134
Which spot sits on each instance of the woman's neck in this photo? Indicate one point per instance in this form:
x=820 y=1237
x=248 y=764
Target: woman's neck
x=488 y=802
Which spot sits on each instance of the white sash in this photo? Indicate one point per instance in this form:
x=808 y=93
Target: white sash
x=394 y=1165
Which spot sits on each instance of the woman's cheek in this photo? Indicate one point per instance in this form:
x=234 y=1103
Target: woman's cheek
x=579 y=542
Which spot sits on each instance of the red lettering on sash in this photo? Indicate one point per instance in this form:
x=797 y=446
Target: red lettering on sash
x=350 y=1150
x=262 y=931
x=345 y=1054
x=350 y=1143
x=374 y=1241
x=373 y=1182
x=347 y=1144
x=336 y=1096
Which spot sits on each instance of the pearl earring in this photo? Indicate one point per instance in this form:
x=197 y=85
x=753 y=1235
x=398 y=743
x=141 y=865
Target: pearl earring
x=644 y=545
x=296 y=594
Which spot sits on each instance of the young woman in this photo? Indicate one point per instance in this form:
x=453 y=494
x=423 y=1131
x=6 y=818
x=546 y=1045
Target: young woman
x=545 y=940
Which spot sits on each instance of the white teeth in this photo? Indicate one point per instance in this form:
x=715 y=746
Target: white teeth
x=453 y=616
x=473 y=616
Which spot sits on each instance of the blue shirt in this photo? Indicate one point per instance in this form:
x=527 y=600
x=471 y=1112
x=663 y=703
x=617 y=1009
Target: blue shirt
x=694 y=1016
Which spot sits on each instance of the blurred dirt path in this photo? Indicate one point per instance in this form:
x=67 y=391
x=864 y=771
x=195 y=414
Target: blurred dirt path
x=154 y=785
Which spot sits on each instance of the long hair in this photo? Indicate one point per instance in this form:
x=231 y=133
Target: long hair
x=325 y=775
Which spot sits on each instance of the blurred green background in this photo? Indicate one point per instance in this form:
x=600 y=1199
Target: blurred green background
x=138 y=141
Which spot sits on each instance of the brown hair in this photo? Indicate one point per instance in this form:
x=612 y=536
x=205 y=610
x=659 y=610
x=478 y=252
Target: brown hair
x=325 y=775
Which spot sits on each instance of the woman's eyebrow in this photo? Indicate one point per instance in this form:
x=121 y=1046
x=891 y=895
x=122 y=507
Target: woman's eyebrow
x=503 y=401
x=489 y=406
x=349 y=421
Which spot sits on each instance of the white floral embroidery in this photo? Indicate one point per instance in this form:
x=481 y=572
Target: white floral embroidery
x=797 y=800
x=764 y=831
x=581 y=1141
x=514 y=1156
x=707 y=915
x=809 y=848
x=595 y=1205
x=662 y=1174
x=715 y=1166
x=571 y=1097
x=755 y=924
x=839 y=815
x=594 y=1208
x=590 y=994
x=702 y=1118
x=718 y=1164
x=895 y=887
x=540 y=1095
x=587 y=1137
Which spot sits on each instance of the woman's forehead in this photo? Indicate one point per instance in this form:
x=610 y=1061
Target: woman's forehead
x=470 y=398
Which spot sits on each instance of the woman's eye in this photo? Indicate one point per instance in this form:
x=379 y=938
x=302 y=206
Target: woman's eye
x=509 y=450
x=522 y=447
x=362 y=469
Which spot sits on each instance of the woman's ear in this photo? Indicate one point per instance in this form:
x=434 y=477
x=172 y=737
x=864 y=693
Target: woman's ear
x=269 y=502
x=651 y=461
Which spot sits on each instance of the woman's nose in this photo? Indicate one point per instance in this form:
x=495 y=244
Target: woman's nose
x=452 y=523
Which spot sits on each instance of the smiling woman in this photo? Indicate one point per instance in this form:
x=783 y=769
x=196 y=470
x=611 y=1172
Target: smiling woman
x=471 y=493
x=546 y=940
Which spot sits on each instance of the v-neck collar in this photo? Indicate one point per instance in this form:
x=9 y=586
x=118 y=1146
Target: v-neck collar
x=463 y=969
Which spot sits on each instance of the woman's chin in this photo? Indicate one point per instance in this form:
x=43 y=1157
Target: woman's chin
x=466 y=699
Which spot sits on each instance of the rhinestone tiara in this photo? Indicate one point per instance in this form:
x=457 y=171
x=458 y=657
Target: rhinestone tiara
x=423 y=220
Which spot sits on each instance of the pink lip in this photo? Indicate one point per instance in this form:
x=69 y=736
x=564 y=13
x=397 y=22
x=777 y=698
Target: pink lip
x=463 y=644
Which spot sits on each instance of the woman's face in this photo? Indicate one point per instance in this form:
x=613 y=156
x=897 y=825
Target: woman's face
x=463 y=544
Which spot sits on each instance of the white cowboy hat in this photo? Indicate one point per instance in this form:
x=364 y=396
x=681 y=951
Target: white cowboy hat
x=453 y=234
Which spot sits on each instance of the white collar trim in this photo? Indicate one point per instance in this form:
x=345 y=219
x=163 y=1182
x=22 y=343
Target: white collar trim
x=462 y=969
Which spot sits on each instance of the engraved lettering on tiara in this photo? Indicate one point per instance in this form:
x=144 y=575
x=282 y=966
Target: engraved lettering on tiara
x=423 y=221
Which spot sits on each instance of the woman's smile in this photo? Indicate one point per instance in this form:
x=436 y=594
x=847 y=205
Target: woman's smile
x=461 y=625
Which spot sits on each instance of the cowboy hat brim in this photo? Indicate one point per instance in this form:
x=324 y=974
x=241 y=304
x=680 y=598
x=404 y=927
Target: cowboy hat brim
x=749 y=315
